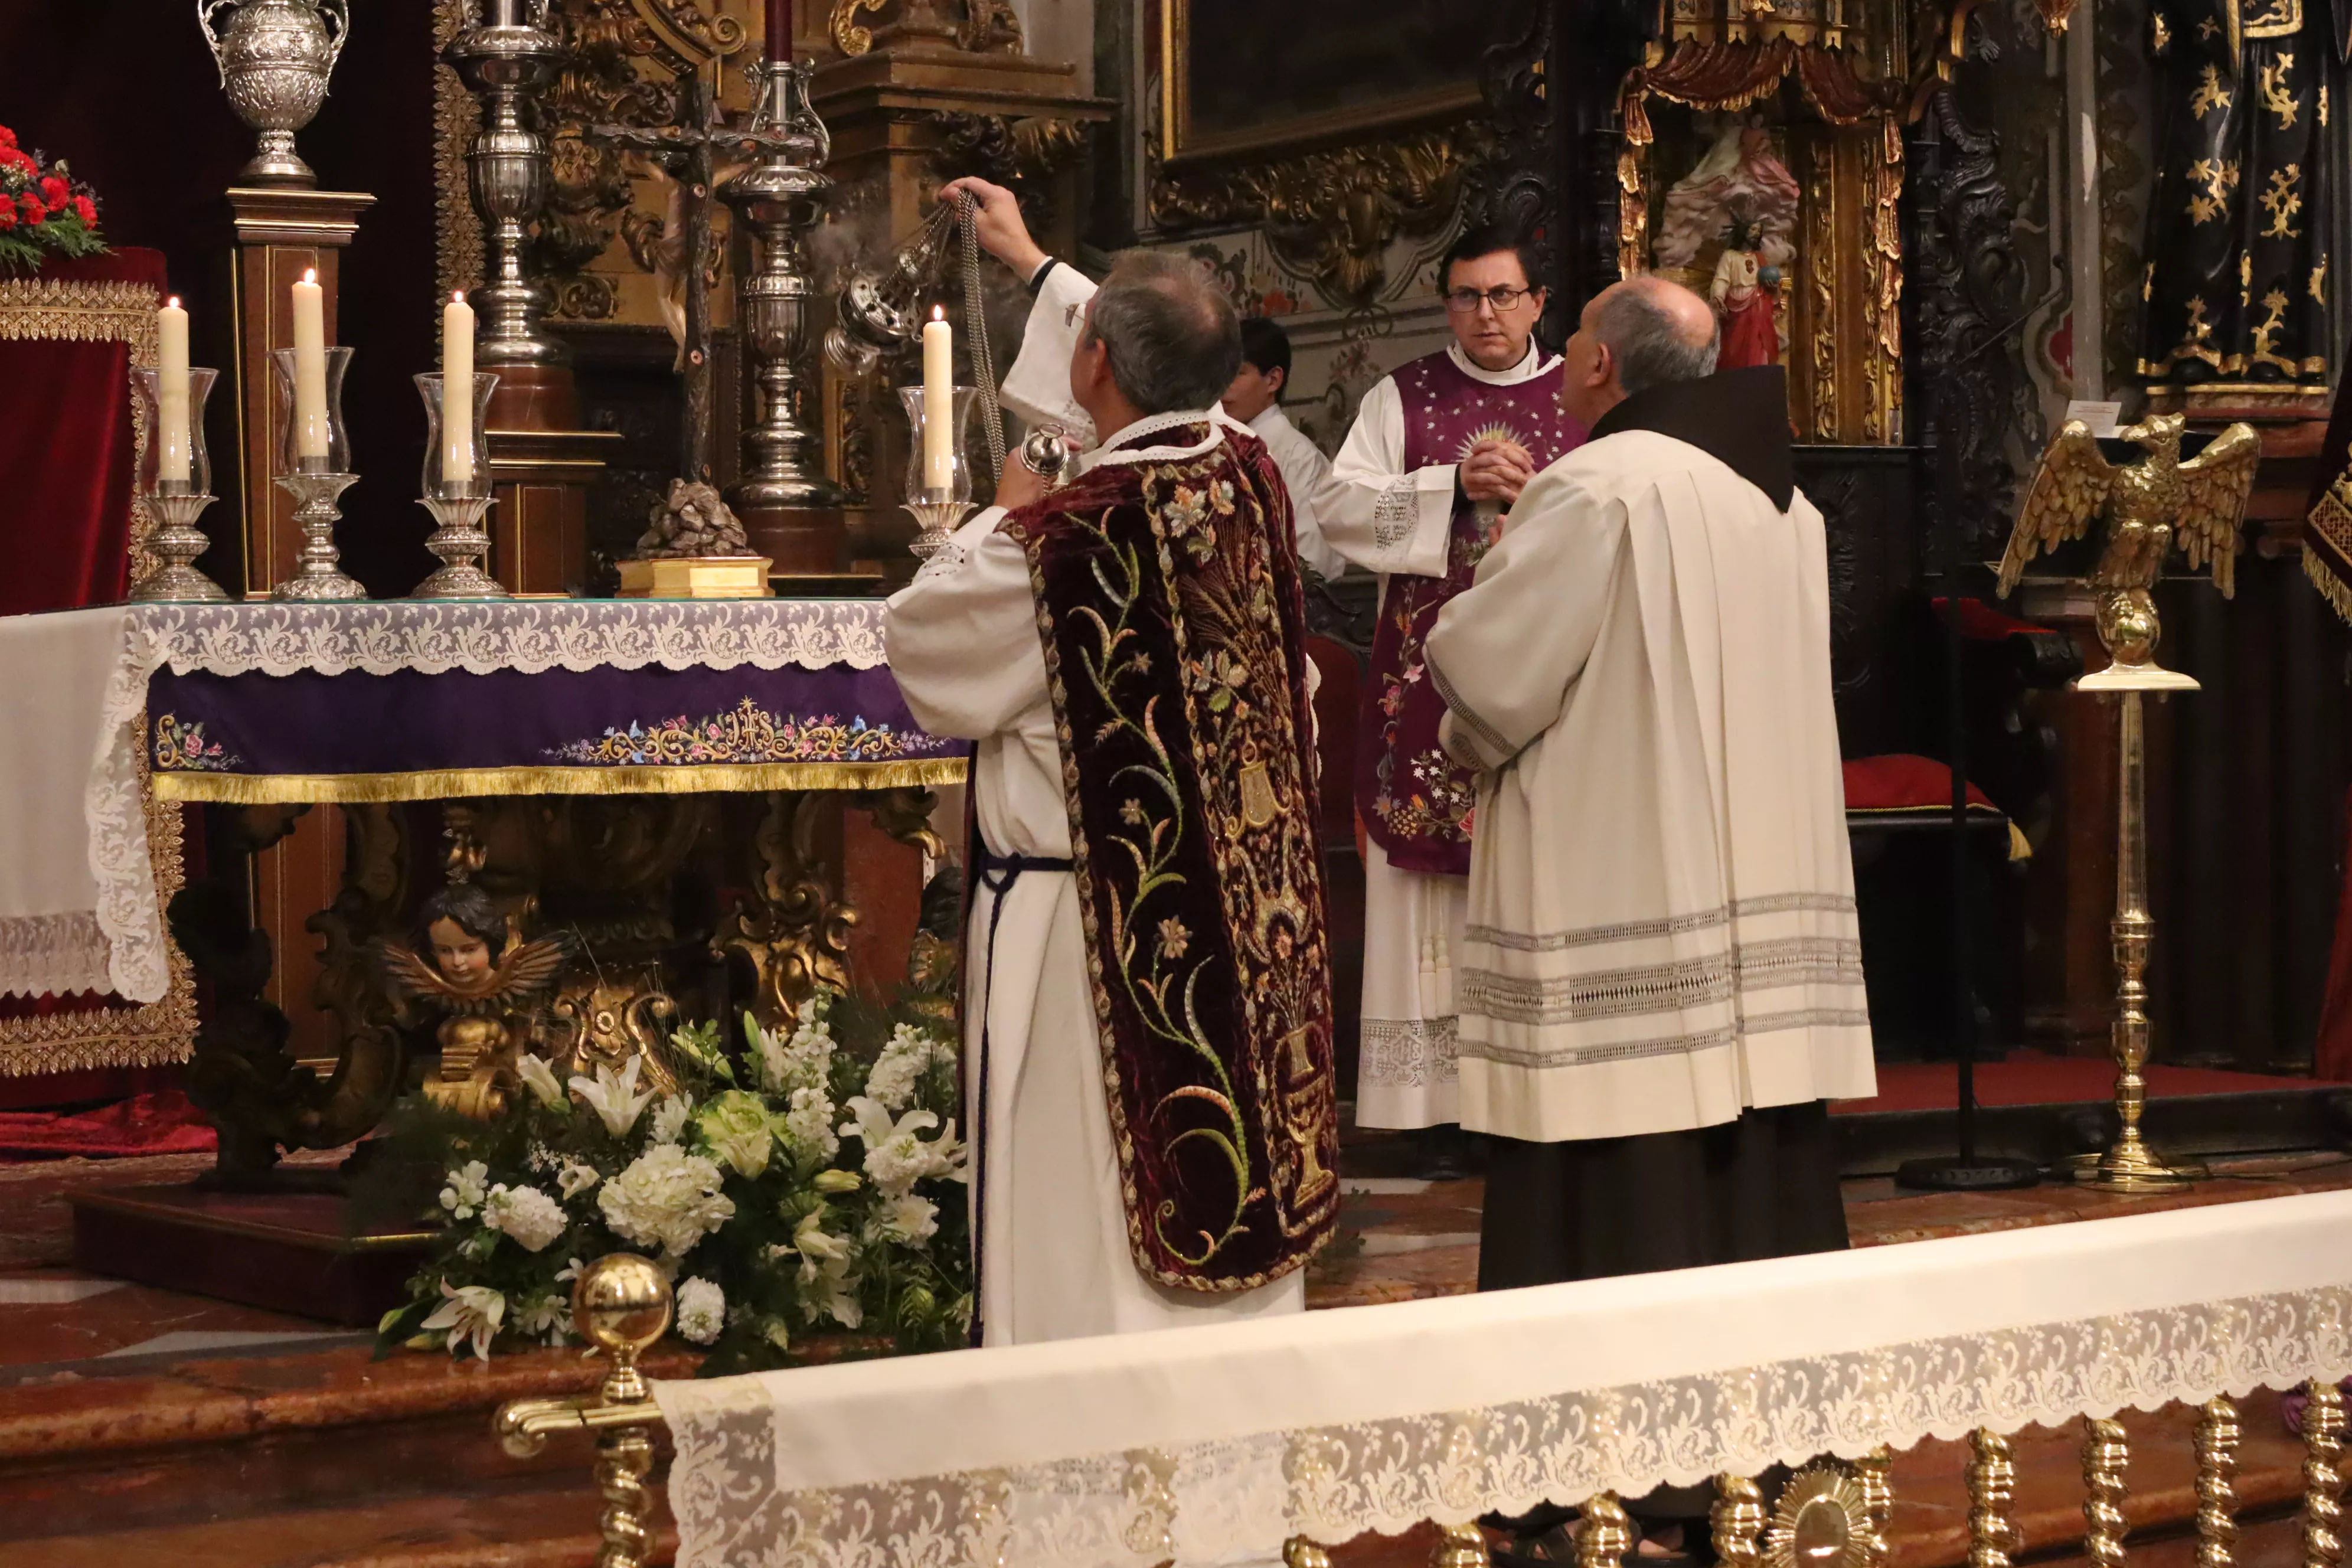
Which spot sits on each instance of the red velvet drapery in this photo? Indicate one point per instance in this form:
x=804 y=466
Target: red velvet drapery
x=66 y=441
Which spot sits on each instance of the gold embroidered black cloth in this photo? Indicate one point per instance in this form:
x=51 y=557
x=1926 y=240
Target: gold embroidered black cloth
x=2236 y=283
x=1168 y=602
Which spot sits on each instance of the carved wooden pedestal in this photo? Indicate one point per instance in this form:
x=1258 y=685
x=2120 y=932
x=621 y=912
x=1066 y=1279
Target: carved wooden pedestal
x=538 y=530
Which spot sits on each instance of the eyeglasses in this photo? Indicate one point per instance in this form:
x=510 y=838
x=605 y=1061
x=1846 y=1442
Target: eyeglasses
x=1461 y=301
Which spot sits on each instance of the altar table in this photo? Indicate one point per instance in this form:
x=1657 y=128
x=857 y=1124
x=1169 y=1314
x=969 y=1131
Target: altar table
x=284 y=704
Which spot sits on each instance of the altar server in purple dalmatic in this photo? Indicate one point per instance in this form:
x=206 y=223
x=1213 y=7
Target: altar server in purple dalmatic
x=1437 y=456
x=1148 y=1009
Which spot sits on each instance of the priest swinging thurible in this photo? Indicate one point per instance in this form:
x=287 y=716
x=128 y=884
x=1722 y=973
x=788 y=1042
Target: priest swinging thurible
x=1148 y=1011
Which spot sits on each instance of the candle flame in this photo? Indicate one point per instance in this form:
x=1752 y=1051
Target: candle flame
x=173 y=303
x=939 y=313
x=311 y=275
x=458 y=298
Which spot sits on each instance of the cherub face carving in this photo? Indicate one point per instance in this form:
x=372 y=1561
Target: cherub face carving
x=463 y=958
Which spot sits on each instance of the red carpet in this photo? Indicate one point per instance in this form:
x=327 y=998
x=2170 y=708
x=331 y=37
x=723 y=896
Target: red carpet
x=2030 y=1077
x=159 y=1123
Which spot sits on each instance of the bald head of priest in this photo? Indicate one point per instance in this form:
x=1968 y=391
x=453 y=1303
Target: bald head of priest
x=1641 y=333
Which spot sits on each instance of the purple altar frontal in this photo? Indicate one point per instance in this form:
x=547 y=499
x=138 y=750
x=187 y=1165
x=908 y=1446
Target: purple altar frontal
x=262 y=703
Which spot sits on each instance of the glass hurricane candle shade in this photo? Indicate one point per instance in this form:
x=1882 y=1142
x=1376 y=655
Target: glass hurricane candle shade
x=175 y=476
x=295 y=439
x=460 y=472
x=919 y=478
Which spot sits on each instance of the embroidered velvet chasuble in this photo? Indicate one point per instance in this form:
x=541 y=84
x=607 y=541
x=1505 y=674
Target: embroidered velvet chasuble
x=1169 y=605
x=1417 y=802
x=2236 y=284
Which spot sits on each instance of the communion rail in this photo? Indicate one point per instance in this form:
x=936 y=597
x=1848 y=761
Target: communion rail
x=1262 y=1437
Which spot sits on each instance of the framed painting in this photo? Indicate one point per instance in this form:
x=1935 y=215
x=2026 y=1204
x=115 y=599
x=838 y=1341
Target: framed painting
x=1242 y=79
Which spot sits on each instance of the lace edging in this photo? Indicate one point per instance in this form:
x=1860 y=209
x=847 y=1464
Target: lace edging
x=1332 y=1483
x=43 y=955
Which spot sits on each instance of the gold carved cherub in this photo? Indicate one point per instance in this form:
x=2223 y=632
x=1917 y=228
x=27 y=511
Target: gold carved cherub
x=470 y=964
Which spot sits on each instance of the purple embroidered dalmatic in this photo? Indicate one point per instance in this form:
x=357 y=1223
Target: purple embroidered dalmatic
x=1415 y=802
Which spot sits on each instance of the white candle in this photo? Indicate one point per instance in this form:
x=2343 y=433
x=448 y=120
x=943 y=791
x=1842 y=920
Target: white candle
x=173 y=462
x=939 y=402
x=457 y=391
x=309 y=368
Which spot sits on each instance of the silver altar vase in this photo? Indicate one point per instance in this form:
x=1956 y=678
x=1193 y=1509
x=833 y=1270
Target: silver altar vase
x=275 y=57
x=779 y=200
x=504 y=63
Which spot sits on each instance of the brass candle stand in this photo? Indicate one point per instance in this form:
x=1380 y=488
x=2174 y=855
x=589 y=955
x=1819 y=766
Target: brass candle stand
x=2151 y=505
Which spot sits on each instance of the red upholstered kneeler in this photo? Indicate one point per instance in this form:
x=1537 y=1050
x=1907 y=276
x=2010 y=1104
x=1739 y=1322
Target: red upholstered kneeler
x=69 y=337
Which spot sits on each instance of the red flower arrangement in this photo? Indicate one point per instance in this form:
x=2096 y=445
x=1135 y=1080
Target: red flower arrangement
x=43 y=213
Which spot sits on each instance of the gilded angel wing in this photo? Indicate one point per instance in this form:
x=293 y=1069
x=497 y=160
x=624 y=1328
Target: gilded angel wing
x=412 y=978
x=2217 y=481
x=531 y=966
x=2068 y=490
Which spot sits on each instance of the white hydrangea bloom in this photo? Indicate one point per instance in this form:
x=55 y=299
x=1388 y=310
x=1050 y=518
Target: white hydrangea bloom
x=666 y=1198
x=701 y=1310
x=528 y=1215
x=468 y=1184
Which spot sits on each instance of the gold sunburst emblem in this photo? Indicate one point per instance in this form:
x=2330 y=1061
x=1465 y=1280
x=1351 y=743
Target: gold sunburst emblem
x=1494 y=432
x=1820 y=1523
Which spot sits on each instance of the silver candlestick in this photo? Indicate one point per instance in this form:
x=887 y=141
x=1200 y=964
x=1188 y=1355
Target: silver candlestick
x=314 y=467
x=938 y=481
x=275 y=57
x=175 y=476
x=457 y=491
x=780 y=199
x=504 y=63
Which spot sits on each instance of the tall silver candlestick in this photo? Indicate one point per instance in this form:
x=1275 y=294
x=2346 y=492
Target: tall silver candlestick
x=779 y=199
x=275 y=57
x=504 y=63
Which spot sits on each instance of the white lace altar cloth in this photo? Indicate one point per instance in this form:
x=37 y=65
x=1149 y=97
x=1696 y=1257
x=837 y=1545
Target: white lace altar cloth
x=77 y=908
x=1201 y=1444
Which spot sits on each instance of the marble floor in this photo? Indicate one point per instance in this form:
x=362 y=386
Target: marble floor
x=141 y=1424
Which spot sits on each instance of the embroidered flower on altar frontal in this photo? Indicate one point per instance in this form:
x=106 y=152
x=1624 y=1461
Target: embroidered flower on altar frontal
x=666 y=1198
x=470 y=1312
x=468 y=1184
x=526 y=1214
x=1174 y=938
x=701 y=1311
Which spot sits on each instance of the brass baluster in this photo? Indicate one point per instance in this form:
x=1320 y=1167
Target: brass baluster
x=1301 y=1552
x=2105 y=1456
x=1606 y=1534
x=1875 y=1471
x=1737 y=1517
x=2217 y=1471
x=1993 y=1486
x=2323 y=1475
x=620 y=1305
x=1460 y=1546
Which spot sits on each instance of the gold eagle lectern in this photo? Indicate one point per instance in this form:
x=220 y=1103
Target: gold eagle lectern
x=2151 y=506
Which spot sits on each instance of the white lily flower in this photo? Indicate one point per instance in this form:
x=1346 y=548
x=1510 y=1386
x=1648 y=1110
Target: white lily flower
x=538 y=1075
x=613 y=1096
x=469 y=1311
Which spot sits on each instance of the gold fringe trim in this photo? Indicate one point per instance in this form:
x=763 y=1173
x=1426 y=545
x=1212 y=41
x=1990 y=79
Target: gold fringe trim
x=2332 y=588
x=471 y=784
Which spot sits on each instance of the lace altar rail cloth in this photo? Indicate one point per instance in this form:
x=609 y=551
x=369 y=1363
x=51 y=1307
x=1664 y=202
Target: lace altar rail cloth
x=410 y=702
x=1198 y=1444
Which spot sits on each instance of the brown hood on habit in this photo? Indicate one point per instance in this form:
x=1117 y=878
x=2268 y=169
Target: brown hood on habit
x=1740 y=417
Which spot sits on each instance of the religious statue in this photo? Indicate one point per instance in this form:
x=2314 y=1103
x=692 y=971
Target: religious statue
x=2236 y=283
x=2152 y=505
x=469 y=964
x=1746 y=294
x=1739 y=177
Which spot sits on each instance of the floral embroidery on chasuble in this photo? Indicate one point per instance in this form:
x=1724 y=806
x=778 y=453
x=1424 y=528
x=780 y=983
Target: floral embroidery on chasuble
x=1416 y=802
x=1175 y=648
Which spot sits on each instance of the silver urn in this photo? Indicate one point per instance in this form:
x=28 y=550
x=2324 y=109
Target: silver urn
x=275 y=57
